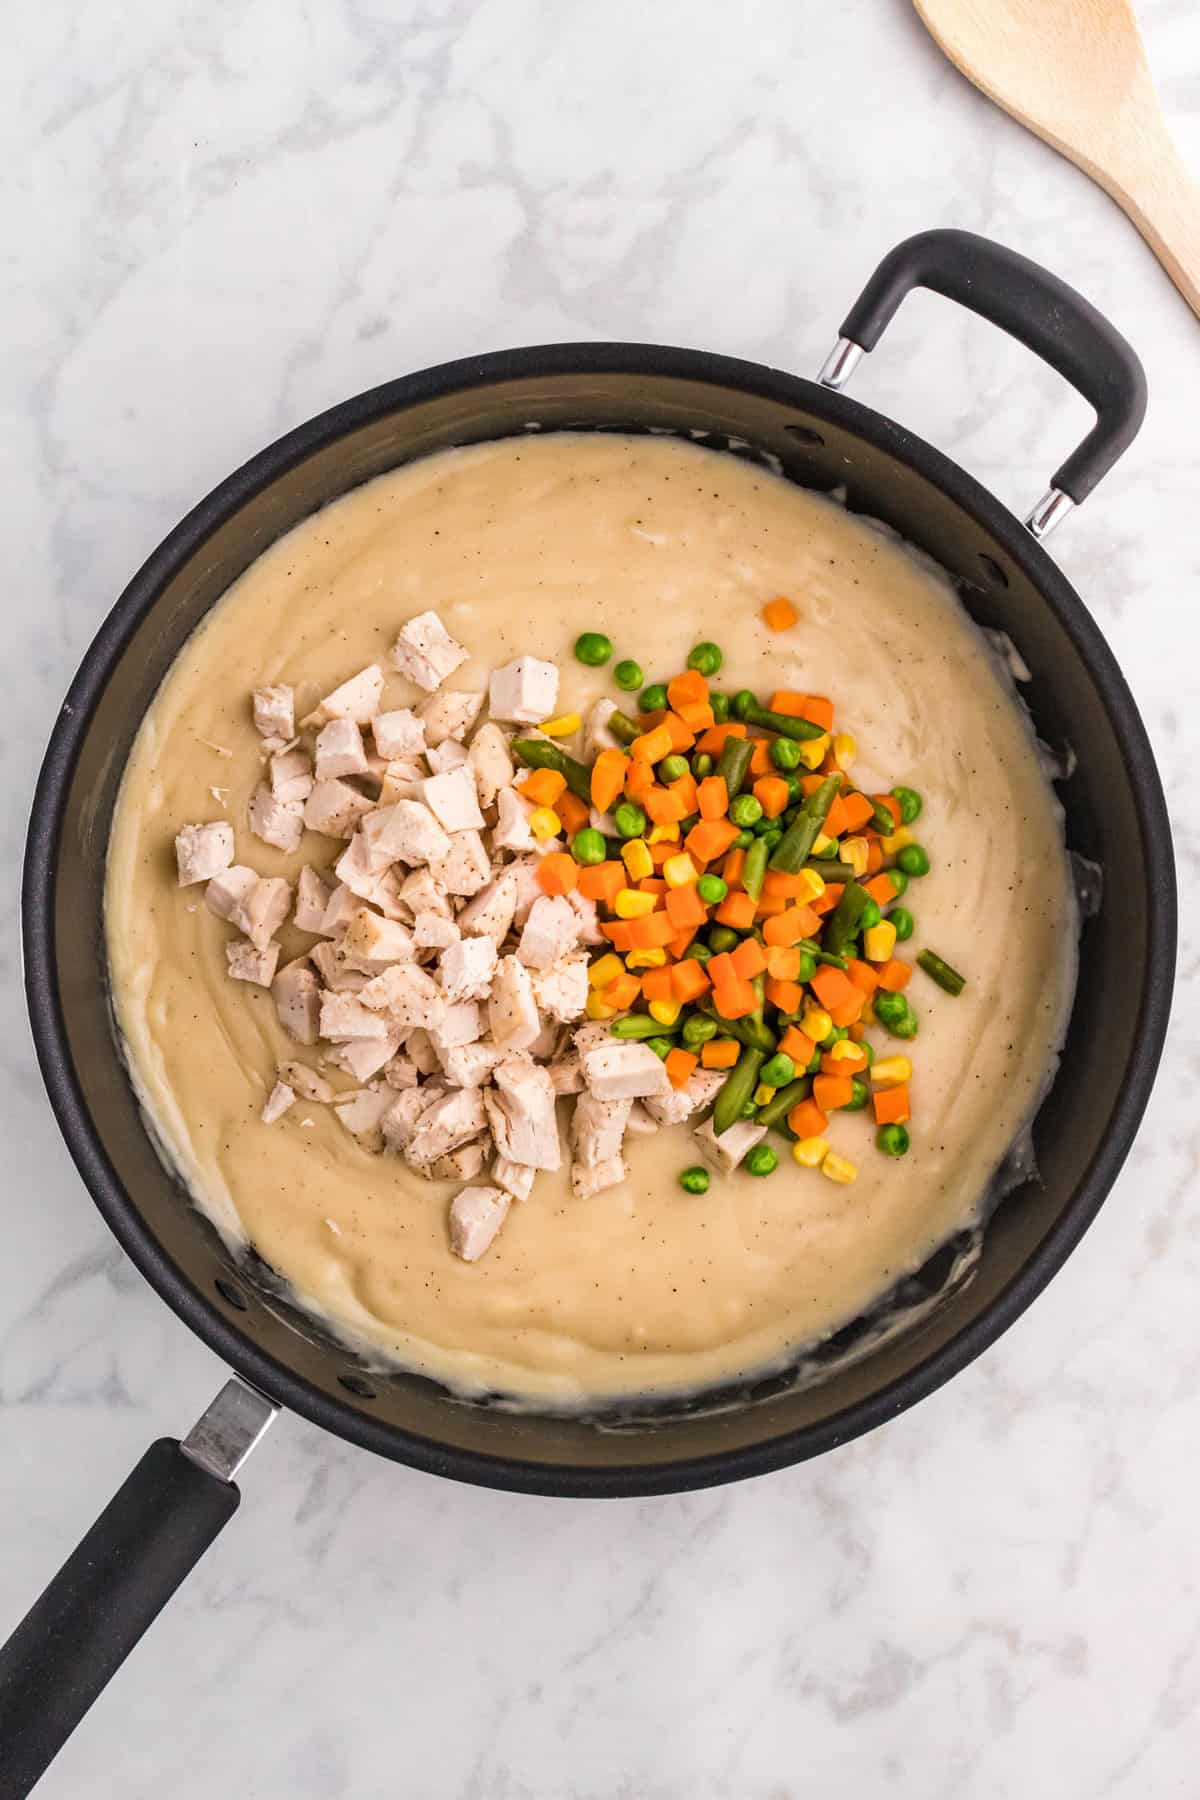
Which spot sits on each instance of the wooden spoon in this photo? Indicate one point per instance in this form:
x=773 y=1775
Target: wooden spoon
x=1075 y=72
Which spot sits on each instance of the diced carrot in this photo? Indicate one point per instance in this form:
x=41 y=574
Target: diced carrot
x=813 y=707
x=654 y=932
x=664 y=807
x=786 y=995
x=779 y=614
x=690 y=688
x=731 y=868
x=800 y=1048
x=650 y=884
x=685 y=907
x=832 y=1091
x=684 y=788
x=713 y=741
x=572 y=812
x=783 y=962
x=771 y=792
x=558 y=873
x=622 y=992
x=832 y=987
x=656 y=984
x=689 y=979
x=542 y=787
x=810 y=783
x=603 y=881
x=844 y=1065
x=849 y=1012
x=770 y=904
x=807 y=1120
x=736 y=909
x=874 y=856
x=619 y=933
x=857 y=1032
x=890 y=804
x=837 y=821
x=679 y=1065
x=749 y=959
x=712 y=797
x=698 y=717
x=710 y=838
x=894 y=976
x=682 y=736
x=663 y=852
x=719 y=1053
x=788 y=702
x=856 y=809
x=608 y=778
x=881 y=888
x=735 y=999
x=639 y=779
x=678 y=945
x=760 y=761
x=652 y=746
x=862 y=975
x=891 y=1105
x=784 y=885
x=721 y=969
x=789 y=927
x=825 y=903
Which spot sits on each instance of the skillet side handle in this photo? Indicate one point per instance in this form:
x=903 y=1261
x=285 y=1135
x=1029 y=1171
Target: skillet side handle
x=1036 y=308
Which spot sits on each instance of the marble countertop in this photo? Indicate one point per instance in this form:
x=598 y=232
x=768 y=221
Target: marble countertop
x=222 y=218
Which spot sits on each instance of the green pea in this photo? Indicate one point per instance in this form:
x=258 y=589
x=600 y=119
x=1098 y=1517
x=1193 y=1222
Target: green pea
x=859 y=1095
x=654 y=699
x=762 y=826
x=908 y=1026
x=870 y=1053
x=785 y=753
x=672 y=767
x=661 y=1046
x=702 y=765
x=794 y=787
x=697 y=1029
x=706 y=659
x=913 y=860
x=778 y=1071
x=871 y=916
x=721 y=938
x=910 y=803
x=588 y=846
x=694 y=1180
x=749 y=1110
x=808 y=966
x=762 y=1160
x=743 y=701
x=593 y=648
x=837 y=1035
x=743 y=840
x=899 y=880
x=890 y=1009
x=628 y=675
x=892 y=1140
x=711 y=889
x=904 y=922
x=772 y=836
x=720 y=708
x=698 y=953
x=629 y=819
x=746 y=810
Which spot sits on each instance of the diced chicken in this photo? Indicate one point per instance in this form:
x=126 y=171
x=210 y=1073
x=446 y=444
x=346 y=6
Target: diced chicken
x=203 y=851
x=562 y=992
x=421 y=894
x=566 y=1076
x=618 y=1070
x=398 y=734
x=356 y=699
x=465 y=867
x=589 y=924
x=425 y=652
x=420 y=1047
x=334 y=972
x=728 y=1150
x=229 y=890
x=512 y=1010
x=462 y=1164
x=449 y=714
x=524 y=873
x=277 y=1102
x=598 y=1129
x=589 y=1037
x=263 y=911
x=639 y=1123
x=586 y=1183
x=460 y=1023
x=490 y=913
x=340 y=750
x=306 y=1082
x=490 y=762
x=400 y=1120
x=544 y=1047
x=512 y=830
x=449 y=754
x=364 y=1057
x=516 y=1179
x=291 y=775
x=312 y=901
x=401 y=1073
x=434 y=931
x=524 y=691
x=344 y=1016
x=275 y=711
x=551 y=932
x=597 y=736
x=702 y=1088
x=452 y=800
x=335 y=808
x=475 y=1217
x=406 y=832
x=453 y=1120
x=408 y=996
x=341 y=909
x=401 y=780
x=469 y=1065
x=362 y=1110
x=246 y=963
x=521 y=1112
x=371 y=943
x=355 y=870
x=277 y=822
x=297 y=996
x=467 y=968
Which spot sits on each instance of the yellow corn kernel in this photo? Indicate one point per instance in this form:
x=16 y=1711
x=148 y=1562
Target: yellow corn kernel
x=868 y=1015
x=901 y=836
x=763 y=1093
x=604 y=970
x=813 y=886
x=665 y=1011
x=824 y=846
x=544 y=823
x=814 y=751
x=680 y=871
x=816 y=1024
x=839 y=1168
x=664 y=834
x=645 y=959
x=844 y=749
x=891 y=1071
x=844 y=1051
x=857 y=852
x=810 y=1153
x=598 y=1008
x=879 y=941
x=564 y=726
x=632 y=904
x=637 y=859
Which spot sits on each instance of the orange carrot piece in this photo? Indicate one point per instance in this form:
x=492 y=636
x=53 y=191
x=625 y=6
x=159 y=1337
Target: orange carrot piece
x=650 y=884
x=771 y=792
x=786 y=995
x=652 y=746
x=800 y=1048
x=736 y=909
x=731 y=868
x=891 y=1105
x=857 y=1032
x=749 y=959
x=619 y=933
x=760 y=760
x=543 y=787
x=779 y=614
x=685 y=909
x=608 y=778
x=832 y=988
x=656 y=983
x=690 y=688
x=830 y=1092
x=735 y=999
x=789 y=927
x=862 y=975
x=720 y=969
x=719 y=1053
x=890 y=804
x=622 y=991
x=874 y=856
x=558 y=873
x=825 y=903
x=697 y=717
x=844 y=1065
x=783 y=963
x=770 y=904
x=678 y=946
x=639 y=779
x=654 y=932
x=894 y=976
x=786 y=887
x=682 y=736
x=689 y=979
x=603 y=881
x=856 y=810
x=807 y=1120
x=684 y=789
x=788 y=702
x=712 y=797
x=713 y=741
x=679 y=1064
x=849 y=1012
x=710 y=838
x=837 y=821
x=572 y=813
x=664 y=807
x=881 y=888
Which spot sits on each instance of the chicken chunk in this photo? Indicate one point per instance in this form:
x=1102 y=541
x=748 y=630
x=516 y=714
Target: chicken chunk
x=341 y=909
x=460 y=1023
x=512 y=1010
x=490 y=913
x=344 y=1016
x=467 y=968
x=619 y=1070
x=462 y=1164
x=398 y=735
x=512 y=830
x=409 y=997
x=291 y=775
x=551 y=932
x=421 y=1049
x=312 y=900
x=263 y=910
x=524 y=874
x=400 y=1120
x=401 y=780
x=335 y=973
x=475 y=1217
x=277 y=1102
x=245 y=963
x=587 y=1182
x=425 y=652
x=469 y=1065
x=524 y=691
x=334 y=808
x=421 y=894
x=361 y=1112
x=274 y=711
x=340 y=750
x=521 y=1112
x=203 y=851
x=454 y=1119
x=449 y=754
x=363 y=1057
x=306 y=1082
x=449 y=714
x=589 y=923
x=566 y=1076
x=562 y=991
x=279 y=823
x=357 y=699
x=452 y=799
x=406 y=832
x=490 y=762
x=371 y=943
x=516 y=1179
x=598 y=1129
x=434 y=931
x=597 y=736
x=702 y=1088
x=727 y=1151
x=465 y=867
x=297 y=996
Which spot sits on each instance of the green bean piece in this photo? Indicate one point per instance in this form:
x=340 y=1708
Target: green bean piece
x=629 y=819
x=593 y=648
x=785 y=754
x=750 y=1030
x=746 y=707
x=779 y=1070
x=623 y=728
x=746 y=810
x=761 y=1160
x=628 y=675
x=694 y=1180
x=795 y=847
x=904 y=922
x=808 y=964
x=734 y=764
x=706 y=659
x=654 y=698
x=881 y=818
x=672 y=767
x=809 y=947
x=661 y=1046
x=892 y=1140
x=830 y=869
x=737 y=1089
x=860 y=1093
x=698 y=952
x=711 y=889
x=720 y=708
x=702 y=765
x=698 y=1030
x=940 y=971
x=722 y=938
x=782 y=1102
x=845 y=920
x=641 y=1025
x=913 y=860
x=588 y=847
x=539 y=753
x=910 y=803
x=754 y=869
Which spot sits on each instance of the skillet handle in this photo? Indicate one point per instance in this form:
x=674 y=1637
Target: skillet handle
x=110 y=1590
x=1035 y=307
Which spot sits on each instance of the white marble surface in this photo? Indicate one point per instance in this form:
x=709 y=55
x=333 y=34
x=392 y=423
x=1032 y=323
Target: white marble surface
x=221 y=217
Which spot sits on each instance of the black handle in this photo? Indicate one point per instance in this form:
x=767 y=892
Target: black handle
x=109 y=1591
x=1032 y=305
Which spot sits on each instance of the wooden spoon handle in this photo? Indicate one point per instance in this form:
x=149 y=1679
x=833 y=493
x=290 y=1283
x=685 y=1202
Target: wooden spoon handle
x=1155 y=188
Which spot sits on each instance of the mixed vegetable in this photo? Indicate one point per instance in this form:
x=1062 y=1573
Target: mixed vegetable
x=750 y=896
